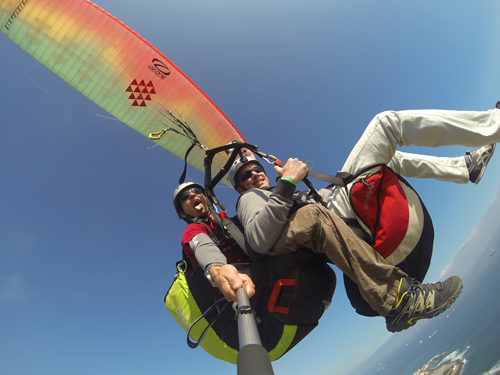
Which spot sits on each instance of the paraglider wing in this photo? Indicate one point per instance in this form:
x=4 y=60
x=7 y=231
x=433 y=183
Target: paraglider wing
x=121 y=72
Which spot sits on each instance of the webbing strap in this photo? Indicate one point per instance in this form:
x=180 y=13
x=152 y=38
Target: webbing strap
x=314 y=192
x=339 y=179
x=235 y=232
x=183 y=175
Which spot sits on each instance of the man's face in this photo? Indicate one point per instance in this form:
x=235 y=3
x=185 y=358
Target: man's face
x=251 y=179
x=193 y=202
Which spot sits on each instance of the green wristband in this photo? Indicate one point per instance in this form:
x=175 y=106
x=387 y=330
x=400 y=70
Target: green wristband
x=289 y=179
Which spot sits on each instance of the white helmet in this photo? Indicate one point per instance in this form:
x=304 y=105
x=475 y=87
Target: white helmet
x=180 y=188
x=237 y=165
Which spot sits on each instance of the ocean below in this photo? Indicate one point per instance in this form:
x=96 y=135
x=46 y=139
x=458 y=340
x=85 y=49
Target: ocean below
x=463 y=340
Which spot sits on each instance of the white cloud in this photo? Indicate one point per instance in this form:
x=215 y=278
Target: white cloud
x=446 y=271
x=475 y=246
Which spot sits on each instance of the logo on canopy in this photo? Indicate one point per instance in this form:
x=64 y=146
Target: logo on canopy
x=140 y=92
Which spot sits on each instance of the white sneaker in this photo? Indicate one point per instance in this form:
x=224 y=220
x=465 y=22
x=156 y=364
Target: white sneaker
x=477 y=160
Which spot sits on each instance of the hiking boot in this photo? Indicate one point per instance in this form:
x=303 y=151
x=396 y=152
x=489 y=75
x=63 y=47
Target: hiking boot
x=421 y=301
x=477 y=160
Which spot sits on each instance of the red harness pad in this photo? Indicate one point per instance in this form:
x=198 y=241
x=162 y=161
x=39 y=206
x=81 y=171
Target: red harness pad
x=381 y=203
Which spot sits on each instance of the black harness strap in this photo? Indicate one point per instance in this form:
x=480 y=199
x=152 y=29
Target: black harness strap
x=183 y=176
x=235 y=231
x=314 y=192
x=217 y=239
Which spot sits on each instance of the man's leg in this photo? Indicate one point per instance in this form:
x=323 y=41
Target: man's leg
x=322 y=231
x=386 y=288
x=431 y=128
x=425 y=166
x=460 y=170
x=388 y=130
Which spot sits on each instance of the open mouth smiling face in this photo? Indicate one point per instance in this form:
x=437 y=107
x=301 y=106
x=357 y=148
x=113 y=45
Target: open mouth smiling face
x=195 y=205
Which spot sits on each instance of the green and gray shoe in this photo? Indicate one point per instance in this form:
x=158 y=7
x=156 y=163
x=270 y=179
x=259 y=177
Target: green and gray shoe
x=421 y=301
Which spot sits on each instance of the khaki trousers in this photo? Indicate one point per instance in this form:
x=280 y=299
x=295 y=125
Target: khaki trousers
x=317 y=228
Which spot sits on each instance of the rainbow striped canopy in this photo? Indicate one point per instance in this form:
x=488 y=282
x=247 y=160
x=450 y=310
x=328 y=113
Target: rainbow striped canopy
x=120 y=71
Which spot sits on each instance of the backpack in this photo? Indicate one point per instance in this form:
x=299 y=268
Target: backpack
x=400 y=228
x=292 y=293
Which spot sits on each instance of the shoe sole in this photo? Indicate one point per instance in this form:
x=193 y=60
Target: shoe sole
x=401 y=326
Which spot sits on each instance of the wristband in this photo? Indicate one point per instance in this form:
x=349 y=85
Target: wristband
x=289 y=179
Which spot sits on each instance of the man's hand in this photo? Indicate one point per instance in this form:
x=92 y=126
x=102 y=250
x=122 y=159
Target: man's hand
x=229 y=281
x=294 y=169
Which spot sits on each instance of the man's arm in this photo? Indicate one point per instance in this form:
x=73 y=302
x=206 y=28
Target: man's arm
x=263 y=214
x=206 y=251
x=225 y=277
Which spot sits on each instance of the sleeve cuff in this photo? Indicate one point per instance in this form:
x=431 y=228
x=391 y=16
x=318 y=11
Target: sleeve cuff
x=285 y=189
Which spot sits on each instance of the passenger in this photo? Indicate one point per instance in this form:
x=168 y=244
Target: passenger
x=280 y=221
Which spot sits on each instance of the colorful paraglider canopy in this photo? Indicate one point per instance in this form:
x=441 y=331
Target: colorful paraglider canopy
x=121 y=72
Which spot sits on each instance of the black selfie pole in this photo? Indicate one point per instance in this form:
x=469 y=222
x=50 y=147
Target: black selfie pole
x=252 y=357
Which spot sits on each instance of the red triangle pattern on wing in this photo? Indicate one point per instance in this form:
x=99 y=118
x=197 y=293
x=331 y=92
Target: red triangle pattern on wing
x=140 y=92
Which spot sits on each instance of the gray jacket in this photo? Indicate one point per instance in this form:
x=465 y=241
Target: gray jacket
x=264 y=212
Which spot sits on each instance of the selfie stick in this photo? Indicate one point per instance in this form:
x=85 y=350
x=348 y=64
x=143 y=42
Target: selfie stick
x=252 y=357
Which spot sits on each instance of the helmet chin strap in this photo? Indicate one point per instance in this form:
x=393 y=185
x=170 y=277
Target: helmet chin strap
x=195 y=220
x=198 y=220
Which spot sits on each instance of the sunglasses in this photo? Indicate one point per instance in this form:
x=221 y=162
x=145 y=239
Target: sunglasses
x=185 y=196
x=248 y=173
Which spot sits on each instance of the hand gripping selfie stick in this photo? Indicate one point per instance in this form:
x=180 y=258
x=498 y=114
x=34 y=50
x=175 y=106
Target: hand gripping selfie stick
x=252 y=357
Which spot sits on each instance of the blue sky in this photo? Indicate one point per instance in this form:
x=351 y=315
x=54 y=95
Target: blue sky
x=89 y=237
